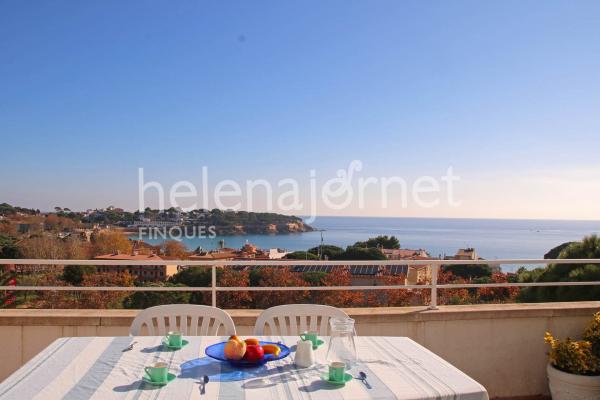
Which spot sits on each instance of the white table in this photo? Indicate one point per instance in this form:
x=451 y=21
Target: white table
x=98 y=368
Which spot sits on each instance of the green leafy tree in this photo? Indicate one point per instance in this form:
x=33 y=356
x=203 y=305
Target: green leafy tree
x=327 y=250
x=75 y=274
x=195 y=277
x=141 y=300
x=589 y=247
x=360 y=253
x=468 y=271
x=314 y=278
x=301 y=255
x=555 y=251
x=8 y=247
x=7 y=210
x=386 y=242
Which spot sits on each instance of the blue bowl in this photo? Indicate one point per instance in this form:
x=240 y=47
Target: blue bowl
x=216 y=351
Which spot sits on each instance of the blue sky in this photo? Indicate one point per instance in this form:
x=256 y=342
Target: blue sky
x=507 y=93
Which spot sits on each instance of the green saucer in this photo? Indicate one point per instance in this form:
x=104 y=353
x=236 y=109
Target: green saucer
x=183 y=343
x=170 y=377
x=347 y=378
x=319 y=343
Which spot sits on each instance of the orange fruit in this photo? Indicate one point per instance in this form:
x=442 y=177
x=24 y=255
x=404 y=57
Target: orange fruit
x=271 y=349
x=252 y=341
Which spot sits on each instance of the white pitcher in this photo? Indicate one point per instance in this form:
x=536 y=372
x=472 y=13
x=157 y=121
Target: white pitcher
x=305 y=356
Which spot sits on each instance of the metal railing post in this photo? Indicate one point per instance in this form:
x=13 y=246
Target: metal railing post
x=434 y=285
x=214 y=285
x=434 y=278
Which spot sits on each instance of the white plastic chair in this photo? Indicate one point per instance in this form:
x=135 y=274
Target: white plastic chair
x=189 y=319
x=293 y=319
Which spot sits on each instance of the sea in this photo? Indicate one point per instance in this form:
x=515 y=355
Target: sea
x=491 y=238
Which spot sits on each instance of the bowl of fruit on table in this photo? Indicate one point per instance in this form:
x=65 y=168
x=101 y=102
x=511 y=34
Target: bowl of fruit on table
x=247 y=353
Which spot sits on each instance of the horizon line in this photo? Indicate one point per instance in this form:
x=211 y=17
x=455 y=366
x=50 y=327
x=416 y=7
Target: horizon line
x=341 y=216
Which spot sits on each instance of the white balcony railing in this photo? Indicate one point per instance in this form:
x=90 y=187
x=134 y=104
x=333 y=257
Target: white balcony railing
x=213 y=288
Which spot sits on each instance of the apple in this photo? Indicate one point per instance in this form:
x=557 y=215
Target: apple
x=234 y=349
x=254 y=353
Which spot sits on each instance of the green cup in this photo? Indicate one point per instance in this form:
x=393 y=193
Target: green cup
x=312 y=336
x=157 y=372
x=337 y=370
x=174 y=339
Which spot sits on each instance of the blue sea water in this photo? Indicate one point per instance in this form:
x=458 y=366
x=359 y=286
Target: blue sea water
x=492 y=238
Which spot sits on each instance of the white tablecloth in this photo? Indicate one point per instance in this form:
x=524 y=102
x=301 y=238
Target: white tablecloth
x=98 y=368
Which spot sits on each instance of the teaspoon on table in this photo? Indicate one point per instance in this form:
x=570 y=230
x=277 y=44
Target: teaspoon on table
x=204 y=381
x=363 y=377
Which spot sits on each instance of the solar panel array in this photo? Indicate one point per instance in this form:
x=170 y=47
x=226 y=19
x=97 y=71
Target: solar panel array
x=364 y=270
x=313 y=268
x=397 y=269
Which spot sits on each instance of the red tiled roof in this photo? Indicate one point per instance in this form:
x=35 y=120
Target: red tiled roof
x=401 y=252
x=212 y=256
x=169 y=258
x=139 y=257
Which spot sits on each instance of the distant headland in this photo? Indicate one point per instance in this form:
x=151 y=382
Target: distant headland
x=222 y=222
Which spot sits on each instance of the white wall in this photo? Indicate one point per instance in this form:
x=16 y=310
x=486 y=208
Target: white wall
x=500 y=346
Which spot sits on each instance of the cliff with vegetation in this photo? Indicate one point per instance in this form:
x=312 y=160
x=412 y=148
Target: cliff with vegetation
x=224 y=222
x=242 y=222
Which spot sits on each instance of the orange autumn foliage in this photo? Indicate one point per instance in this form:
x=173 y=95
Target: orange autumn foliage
x=95 y=299
x=498 y=294
x=231 y=278
x=279 y=276
x=339 y=276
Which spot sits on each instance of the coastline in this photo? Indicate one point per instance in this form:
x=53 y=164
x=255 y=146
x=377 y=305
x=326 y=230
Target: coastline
x=493 y=239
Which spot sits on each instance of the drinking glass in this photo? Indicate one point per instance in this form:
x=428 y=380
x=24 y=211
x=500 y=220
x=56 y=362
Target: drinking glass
x=342 y=347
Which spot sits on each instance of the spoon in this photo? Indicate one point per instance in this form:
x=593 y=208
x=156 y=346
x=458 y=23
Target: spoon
x=363 y=377
x=130 y=347
x=204 y=382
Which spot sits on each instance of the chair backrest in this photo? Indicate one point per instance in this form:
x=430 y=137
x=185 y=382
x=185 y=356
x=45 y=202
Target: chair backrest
x=190 y=319
x=293 y=319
